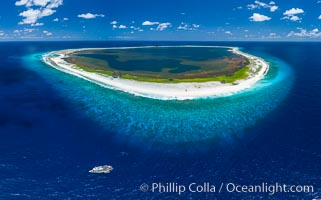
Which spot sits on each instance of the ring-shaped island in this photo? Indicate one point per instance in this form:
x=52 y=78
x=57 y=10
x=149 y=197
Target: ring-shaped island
x=164 y=72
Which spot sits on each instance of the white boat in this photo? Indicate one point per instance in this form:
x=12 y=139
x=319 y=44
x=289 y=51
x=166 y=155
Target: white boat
x=101 y=169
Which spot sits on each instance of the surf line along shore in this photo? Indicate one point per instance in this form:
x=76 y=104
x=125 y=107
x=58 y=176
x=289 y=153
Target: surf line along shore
x=258 y=68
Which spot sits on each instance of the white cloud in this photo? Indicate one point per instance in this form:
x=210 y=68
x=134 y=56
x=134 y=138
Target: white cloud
x=41 y=3
x=163 y=26
x=187 y=27
x=47 y=33
x=256 y=17
x=291 y=14
x=295 y=18
x=47 y=12
x=272 y=36
x=37 y=9
x=37 y=24
x=160 y=27
x=122 y=27
x=29 y=30
x=228 y=32
x=251 y=6
x=184 y=27
x=65 y=19
x=90 y=16
x=315 y=33
x=273 y=8
x=259 y=4
x=293 y=11
x=17 y=31
x=55 y=3
x=113 y=22
x=149 y=23
x=31 y=16
x=21 y=2
x=135 y=28
x=319 y=17
x=56 y=20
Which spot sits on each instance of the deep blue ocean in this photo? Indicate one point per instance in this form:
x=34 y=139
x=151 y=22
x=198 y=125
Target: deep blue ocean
x=55 y=127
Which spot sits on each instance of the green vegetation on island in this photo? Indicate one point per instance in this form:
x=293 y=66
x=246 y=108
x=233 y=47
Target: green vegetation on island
x=238 y=75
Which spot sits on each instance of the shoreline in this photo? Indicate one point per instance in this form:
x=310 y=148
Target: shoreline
x=164 y=91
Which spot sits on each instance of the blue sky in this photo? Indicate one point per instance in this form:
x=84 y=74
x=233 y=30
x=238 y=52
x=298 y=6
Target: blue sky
x=160 y=20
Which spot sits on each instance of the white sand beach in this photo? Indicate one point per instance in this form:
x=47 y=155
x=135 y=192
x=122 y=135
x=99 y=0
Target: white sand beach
x=164 y=91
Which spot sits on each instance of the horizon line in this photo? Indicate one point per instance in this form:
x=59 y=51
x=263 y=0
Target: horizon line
x=160 y=41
